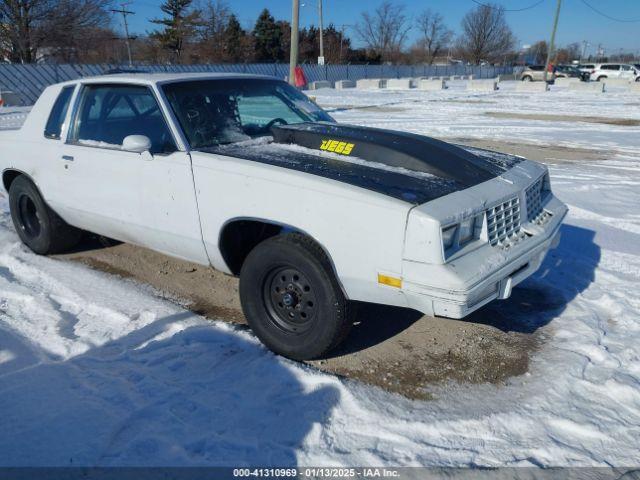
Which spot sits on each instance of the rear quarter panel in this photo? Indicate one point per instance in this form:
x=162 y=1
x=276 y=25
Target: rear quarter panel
x=26 y=149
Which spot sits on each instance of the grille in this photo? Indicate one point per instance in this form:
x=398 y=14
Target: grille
x=503 y=223
x=535 y=194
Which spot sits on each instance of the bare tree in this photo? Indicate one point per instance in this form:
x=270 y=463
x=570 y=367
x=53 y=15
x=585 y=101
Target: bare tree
x=486 y=35
x=64 y=29
x=216 y=15
x=22 y=28
x=76 y=26
x=435 y=36
x=567 y=54
x=539 y=52
x=385 y=30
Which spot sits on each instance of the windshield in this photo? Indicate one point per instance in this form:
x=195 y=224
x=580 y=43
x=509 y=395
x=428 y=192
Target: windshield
x=218 y=112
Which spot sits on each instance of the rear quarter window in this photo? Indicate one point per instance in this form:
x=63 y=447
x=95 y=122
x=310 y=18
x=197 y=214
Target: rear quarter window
x=58 y=114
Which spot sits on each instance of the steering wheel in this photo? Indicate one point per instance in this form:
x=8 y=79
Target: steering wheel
x=273 y=122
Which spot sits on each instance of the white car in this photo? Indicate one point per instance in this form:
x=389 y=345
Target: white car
x=602 y=71
x=247 y=175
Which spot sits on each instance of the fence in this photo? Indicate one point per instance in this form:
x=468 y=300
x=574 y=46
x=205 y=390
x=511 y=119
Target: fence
x=28 y=81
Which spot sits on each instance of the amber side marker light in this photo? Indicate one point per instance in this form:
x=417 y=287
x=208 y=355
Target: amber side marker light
x=390 y=281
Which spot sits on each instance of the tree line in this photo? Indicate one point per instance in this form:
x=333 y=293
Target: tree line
x=84 y=31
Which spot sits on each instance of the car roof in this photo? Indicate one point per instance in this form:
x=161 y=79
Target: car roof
x=161 y=78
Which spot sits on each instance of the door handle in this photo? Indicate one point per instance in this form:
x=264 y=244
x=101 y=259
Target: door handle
x=68 y=158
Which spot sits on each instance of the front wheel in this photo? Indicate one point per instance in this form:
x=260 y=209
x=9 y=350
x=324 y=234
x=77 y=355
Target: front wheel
x=291 y=298
x=527 y=78
x=37 y=225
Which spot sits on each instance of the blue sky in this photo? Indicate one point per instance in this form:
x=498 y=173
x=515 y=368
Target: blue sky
x=577 y=21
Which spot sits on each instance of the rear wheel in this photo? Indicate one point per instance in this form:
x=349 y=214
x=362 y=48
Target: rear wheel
x=291 y=298
x=39 y=227
x=527 y=78
x=603 y=77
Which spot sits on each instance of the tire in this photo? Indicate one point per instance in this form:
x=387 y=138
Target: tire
x=603 y=77
x=37 y=225
x=527 y=78
x=291 y=298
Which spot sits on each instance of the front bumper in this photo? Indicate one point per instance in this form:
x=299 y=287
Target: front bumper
x=481 y=276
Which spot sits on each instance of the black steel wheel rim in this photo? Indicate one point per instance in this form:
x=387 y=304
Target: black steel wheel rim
x=29 y=217
x=289 y=299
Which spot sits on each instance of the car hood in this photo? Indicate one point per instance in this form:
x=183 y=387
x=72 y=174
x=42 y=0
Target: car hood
x=402 y=165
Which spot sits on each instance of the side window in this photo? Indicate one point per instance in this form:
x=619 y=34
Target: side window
x=109 y=113
x=58 y=114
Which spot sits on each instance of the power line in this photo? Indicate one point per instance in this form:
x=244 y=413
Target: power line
x=605 y=15
x=534 y=5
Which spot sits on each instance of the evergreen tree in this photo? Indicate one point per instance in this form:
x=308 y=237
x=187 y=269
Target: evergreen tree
x=234 y=40
x=267 y=38
x=179 y=27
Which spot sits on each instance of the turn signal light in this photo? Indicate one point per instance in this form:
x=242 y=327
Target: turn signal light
x=390 y=281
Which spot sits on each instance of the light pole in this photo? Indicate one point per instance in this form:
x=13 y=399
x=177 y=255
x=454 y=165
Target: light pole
x=553 y=40
x=320 y=24
x=321 y=58
x=293 y=56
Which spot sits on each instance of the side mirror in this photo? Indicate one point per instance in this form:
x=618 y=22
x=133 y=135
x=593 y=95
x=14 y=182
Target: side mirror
x=136 y=143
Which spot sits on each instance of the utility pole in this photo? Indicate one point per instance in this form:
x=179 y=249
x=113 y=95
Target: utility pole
x=585 y=44
x=321 y=62
x=553 y=40
x=293 y=56
x=124 y=13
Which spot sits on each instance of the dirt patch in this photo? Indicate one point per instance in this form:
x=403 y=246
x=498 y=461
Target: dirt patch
x=622 y=122
x=397 y=349
x=537 y=152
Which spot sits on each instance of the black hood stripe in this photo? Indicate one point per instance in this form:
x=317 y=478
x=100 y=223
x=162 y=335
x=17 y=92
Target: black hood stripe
x=444 y=168
x=396 y=149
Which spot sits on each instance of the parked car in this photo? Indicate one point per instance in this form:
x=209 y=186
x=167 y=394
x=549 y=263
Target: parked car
x=586 y=69
x=247 y=175
x=602 y=71
x=535 y=73
x=567 y=71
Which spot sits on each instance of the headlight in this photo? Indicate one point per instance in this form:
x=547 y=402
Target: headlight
x=467 y=230
x=448 y=236
x=458 y=235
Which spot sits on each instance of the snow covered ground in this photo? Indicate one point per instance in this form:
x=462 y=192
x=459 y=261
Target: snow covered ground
x=99 y=370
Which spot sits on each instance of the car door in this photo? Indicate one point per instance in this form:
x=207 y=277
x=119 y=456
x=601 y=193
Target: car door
x=627 y=72
x=613 y=71
x=144 y=198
